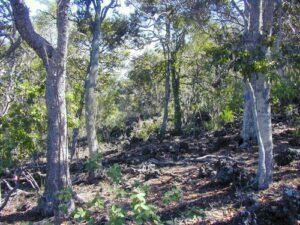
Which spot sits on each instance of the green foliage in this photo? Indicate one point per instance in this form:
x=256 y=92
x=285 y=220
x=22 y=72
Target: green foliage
x=114 y=172
x=142 y=211
x=97 y=202
x=144 y=129
x=174 y=195
x=227 y=115
x=23 y=128
x=64 y=196
x=117 y=215
x=93 y=163
x=211 y=125
x=81 y=215
x=193 y=212
x=284 y=92
x=296 y=133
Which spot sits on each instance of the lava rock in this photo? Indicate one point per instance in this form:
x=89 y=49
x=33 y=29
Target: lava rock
x=229 y=172
x=287 y=156
x=220 y=143
x=136 y=140
x=291 y=198
x=245 y=218
x=295 y=142
x=220 y=133
x=206 y=171
x=183 y=146
x=225 y=171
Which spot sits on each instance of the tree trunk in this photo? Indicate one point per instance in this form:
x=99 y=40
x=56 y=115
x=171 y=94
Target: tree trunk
x=261 y=23
x=58 y=177
x=265 y=126
x=54 y=60
x=167 y=80
x=90 y=92
x=176 y=94
x=261 y=172
x=248 y=131
x=166 y=101
x=76 y=130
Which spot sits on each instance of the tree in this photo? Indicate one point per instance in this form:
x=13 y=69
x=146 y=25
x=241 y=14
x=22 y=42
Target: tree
x=54 y=61
x=93 y=21
x=258 y=44
x=164 y=22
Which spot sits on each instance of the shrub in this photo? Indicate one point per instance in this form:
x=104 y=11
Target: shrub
x=142 y=211
x=144 y=130
x=93 y=163
x=227 y=115
x=116 y=215
x=174 y=195
x=114 y=172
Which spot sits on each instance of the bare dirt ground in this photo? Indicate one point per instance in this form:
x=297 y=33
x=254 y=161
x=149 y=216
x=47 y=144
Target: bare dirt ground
x=196 y=166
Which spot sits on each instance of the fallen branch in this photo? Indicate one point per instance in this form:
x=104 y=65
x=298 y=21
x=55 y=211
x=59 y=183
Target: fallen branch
x=213 y=158
x=207 y=158
x=3 y=204
x=31 y=180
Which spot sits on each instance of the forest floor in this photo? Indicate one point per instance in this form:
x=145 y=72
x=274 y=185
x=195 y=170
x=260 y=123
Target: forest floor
x=212 y=173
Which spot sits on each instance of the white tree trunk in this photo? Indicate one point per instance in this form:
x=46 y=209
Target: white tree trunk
x=248 y=130
x=265 y=125
x=261 y=172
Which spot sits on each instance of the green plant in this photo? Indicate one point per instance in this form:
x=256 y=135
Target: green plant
x=116 y=215
x=227 y=115
x=81 y=215
x=211 y=125
x=114 y=172
x=142 y=211
x=93 y=163
x=194 y=212
x=174 y=195
x=296 y=133
x=64 y=197
x=97 y=202
x=143 y=130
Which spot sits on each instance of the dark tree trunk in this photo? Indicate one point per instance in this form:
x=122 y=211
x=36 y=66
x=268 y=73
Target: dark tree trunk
x=176 y=96
x=90 y=87
x=76 y=130
x=167 y=79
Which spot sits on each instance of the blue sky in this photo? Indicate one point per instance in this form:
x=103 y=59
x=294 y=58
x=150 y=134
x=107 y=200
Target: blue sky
x=35 y=5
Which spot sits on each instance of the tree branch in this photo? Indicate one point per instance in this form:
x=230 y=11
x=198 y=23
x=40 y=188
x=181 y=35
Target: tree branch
x=24 y=25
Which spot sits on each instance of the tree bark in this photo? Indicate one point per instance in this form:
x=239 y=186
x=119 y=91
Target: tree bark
x=90 y=86
x=167 y=80
x=176 y=96
x=248 y=130
x=54 y=60
x=76 y=130
x=261 y=23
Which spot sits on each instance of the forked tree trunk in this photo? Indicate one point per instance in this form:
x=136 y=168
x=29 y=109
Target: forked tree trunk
x=260 y=29
x=54 y=60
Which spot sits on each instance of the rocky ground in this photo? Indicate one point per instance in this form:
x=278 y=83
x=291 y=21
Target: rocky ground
x=215 y=177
